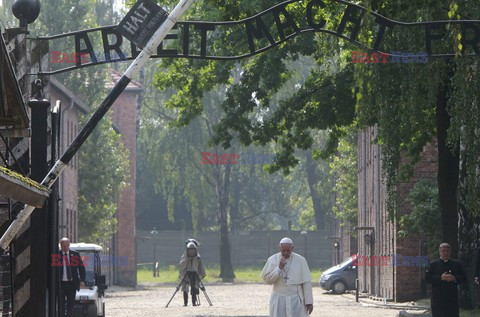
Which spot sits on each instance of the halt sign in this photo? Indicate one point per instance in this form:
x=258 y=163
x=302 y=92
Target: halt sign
x=143 y=19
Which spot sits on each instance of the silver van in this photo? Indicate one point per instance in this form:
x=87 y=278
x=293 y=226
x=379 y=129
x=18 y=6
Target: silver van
x=339 y=278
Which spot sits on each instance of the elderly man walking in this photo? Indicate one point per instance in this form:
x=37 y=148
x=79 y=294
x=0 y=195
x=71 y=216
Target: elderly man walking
x=292 y=287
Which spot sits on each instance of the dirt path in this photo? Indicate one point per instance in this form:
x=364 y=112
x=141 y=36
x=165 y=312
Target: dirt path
x=241 y=300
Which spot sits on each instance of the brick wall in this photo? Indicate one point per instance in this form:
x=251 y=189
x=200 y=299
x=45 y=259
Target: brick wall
x=124 y=115
x=71 y=107
x=400 y=283
x=411 y=288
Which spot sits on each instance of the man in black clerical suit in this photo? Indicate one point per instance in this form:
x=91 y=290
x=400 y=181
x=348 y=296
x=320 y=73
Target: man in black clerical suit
x=445 y=274
x=71 y=275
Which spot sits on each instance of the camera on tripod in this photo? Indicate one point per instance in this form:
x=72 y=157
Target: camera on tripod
x=191 y=273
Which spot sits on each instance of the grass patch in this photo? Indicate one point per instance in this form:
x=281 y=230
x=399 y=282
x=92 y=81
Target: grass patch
x=169 y=274
x=470 y=313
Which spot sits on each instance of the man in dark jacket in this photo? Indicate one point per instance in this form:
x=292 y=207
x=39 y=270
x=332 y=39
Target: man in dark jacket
x=71 y=275
x=445 y=274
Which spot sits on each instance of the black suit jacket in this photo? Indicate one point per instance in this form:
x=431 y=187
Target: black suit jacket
x=77 y=266
x=442 y=290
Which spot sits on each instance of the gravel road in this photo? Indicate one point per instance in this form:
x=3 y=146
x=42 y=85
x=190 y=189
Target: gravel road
x=241 y=300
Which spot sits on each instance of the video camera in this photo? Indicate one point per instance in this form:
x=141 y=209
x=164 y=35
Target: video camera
x=192 y=246
x=193 y=241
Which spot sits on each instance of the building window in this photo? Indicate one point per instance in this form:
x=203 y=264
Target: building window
x=67 y=229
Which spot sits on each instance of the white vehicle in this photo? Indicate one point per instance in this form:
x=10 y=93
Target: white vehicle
x=90 y=300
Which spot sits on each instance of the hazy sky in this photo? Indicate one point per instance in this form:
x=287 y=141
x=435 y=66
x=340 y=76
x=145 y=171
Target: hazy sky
x=117 y=6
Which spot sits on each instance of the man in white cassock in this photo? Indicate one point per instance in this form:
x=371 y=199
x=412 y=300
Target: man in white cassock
x=292 y=288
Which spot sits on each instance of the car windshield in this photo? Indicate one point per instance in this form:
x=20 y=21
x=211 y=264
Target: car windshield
x=88 y=259
x=346 y=262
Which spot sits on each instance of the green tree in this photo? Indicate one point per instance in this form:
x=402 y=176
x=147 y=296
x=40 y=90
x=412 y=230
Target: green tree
x=6 y=15
x=245 y=108
x=424 y=102
x=344 y=169
x=103 y=164
x=425 y=216
x=102 y=174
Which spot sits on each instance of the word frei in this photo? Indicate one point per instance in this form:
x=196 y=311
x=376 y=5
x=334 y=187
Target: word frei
x=394 y=260
x=396 y=57
x=245 y=158
x=87 y=261
x=82 y=58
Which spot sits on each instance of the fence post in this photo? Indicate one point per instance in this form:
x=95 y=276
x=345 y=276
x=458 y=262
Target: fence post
x=356 y=290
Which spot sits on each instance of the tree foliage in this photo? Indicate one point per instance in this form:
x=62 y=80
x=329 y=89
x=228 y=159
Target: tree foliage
x=344 y=169
x=103 y=171
x=425 y=216
x=103 y=161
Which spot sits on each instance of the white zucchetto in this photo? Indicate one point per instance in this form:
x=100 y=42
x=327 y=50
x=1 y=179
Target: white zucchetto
x=286 y=241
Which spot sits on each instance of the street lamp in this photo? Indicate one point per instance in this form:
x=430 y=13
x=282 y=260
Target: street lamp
x=336 y=245
x=154 y=234
x=26 y=11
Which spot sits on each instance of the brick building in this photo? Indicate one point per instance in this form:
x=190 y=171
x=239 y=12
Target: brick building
x=343 y=244
x=378 y=234
x=124 y=114
x=71 y=109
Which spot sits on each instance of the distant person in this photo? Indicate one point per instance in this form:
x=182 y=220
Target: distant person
x=71 y=273
x=292 y=287
x=191 y=271
x=445 y=274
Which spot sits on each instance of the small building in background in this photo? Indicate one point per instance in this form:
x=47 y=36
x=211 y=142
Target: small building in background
x=71 y=110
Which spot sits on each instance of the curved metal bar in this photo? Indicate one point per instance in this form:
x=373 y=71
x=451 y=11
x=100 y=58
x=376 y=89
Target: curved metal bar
x=400 y=23
x=271 y=45
x=237 y=57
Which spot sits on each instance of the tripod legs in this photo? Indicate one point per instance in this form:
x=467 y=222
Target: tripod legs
x=194 y=281
x=202 y=287
x=176 y=290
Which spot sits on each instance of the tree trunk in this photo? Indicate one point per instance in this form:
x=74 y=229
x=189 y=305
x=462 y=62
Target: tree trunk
x=235 y=203
x=312 y=179
x=469 y=237
x=448 y=169
x=222 y=190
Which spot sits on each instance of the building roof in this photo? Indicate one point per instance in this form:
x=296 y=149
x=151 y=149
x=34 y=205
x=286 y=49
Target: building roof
x=82 y=246
x=77 y=102
x=132 y=86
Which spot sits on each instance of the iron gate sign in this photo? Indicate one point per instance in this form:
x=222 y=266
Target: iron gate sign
x=239 y=39
x=143 y=19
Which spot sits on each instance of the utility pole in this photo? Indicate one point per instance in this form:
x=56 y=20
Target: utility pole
x=39 y=223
